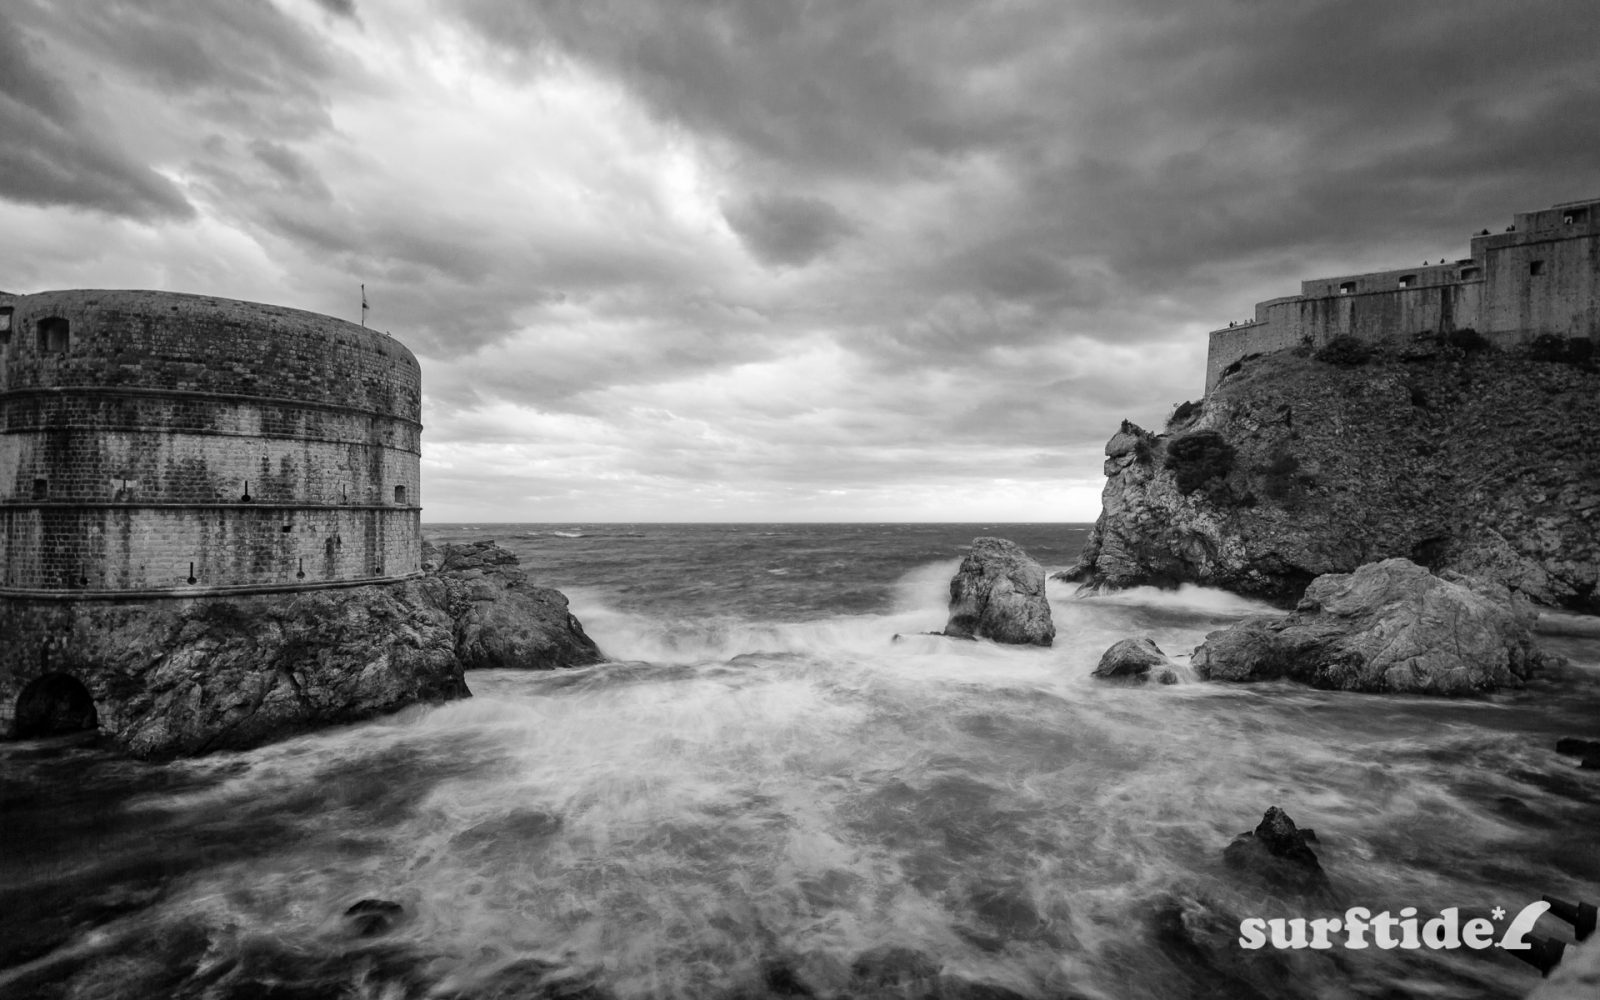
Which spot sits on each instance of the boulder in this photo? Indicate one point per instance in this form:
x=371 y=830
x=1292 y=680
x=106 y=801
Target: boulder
x=1133 y=659
x=500 y=620
x=998 y=593
x=1390 y=626
x=1276 y=852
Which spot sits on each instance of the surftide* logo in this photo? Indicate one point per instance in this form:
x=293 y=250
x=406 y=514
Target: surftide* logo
x=1359 y=928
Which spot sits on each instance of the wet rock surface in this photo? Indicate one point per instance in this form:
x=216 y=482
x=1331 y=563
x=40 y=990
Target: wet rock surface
x=1275 y=852
x=1388 y=627
x=500 y=619
x=1136 y=660
x=999 y=594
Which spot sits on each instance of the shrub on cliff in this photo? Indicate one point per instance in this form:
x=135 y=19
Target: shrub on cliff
x=1186 y=411
x=1575 y=351
x=1345 y=351
x=1468 y=341
x=1196 y=459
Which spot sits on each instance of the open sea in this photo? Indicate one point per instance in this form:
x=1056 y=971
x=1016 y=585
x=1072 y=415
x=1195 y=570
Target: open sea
x=762 y=794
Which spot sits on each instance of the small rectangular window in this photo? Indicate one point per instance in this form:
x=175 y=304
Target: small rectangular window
x=1536 y=267
x=1406 y=281
x=400 y=495
x=5 y=324
x=1346 y=287
x=1468 y=273
x=41 y=489
x=1576 y=217
x=54 y=335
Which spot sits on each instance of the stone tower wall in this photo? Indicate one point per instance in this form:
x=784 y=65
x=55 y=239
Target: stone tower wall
x=156 y=442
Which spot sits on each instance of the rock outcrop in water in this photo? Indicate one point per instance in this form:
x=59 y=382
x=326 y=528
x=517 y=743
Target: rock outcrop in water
x=1389 y=626
x=1134 y=660
x=1276 y=852
x=999 y=594
x=174 y=677
x=500 y=620
x=1454 y=456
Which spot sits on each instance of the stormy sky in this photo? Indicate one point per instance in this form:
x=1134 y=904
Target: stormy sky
x=778 y=259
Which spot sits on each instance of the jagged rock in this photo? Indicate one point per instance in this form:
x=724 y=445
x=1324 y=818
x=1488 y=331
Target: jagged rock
x=999 y=594
x=1276 y=852
x=1389 y=626
x=1133 y=659
x=1481 y=464
x=502 y=621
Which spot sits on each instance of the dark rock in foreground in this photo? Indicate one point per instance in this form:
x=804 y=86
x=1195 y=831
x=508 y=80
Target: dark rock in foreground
x=1390 y=626
x=1276 y=852
x=499 y=619
x=998 y=593
x=1133 y=660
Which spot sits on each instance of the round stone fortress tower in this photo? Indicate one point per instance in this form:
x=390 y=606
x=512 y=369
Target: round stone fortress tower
x=157 y=444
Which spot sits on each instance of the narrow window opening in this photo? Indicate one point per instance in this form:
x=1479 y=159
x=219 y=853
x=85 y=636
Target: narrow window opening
x=1576 y=217
x=41 y=489
x=5 y=324
x=1406 y=281
x=400 y=495
x=1469 y=272
x=1346 y=287
x=54 y=336
x=1536 y=267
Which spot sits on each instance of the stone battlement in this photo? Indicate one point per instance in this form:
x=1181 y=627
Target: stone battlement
x=1539 y=277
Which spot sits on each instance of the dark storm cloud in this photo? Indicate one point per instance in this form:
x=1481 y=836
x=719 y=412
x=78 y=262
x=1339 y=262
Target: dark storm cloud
x=820 y=86
x=54 y=153
x=343 y=8
x=1157 y=137
x=782 y=229
x=246 y=63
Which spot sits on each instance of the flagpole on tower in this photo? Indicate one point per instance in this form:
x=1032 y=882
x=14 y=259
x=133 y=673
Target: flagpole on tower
x=363 y=305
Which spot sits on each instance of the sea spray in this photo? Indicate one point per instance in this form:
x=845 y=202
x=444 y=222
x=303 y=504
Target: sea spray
x=762 y=783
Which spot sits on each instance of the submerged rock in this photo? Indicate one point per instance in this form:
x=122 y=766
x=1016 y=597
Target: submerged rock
x=1133 y=659
x=999 y=594
x=372 y=917
x=1276 y=852
x=1390 y=626
x=893 y=966
x=500 y=620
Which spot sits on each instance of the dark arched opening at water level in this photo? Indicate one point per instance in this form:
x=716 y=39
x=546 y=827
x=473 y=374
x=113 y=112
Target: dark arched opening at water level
x=53 y=705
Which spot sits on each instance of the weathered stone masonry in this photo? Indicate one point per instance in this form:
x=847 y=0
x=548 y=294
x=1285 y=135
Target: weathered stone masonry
x=157 y=446
x=1539 y=277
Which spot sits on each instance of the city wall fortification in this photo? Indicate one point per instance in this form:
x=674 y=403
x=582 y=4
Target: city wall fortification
x=1540 y=277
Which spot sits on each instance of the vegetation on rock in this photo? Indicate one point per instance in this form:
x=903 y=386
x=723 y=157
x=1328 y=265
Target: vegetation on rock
x=1198 y=458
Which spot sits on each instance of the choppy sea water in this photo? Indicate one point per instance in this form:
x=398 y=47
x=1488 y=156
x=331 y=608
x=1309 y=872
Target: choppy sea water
x=763 y=795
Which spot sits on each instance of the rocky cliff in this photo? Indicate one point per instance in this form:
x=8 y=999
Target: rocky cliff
x=1448 y=453
x=181 y=676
